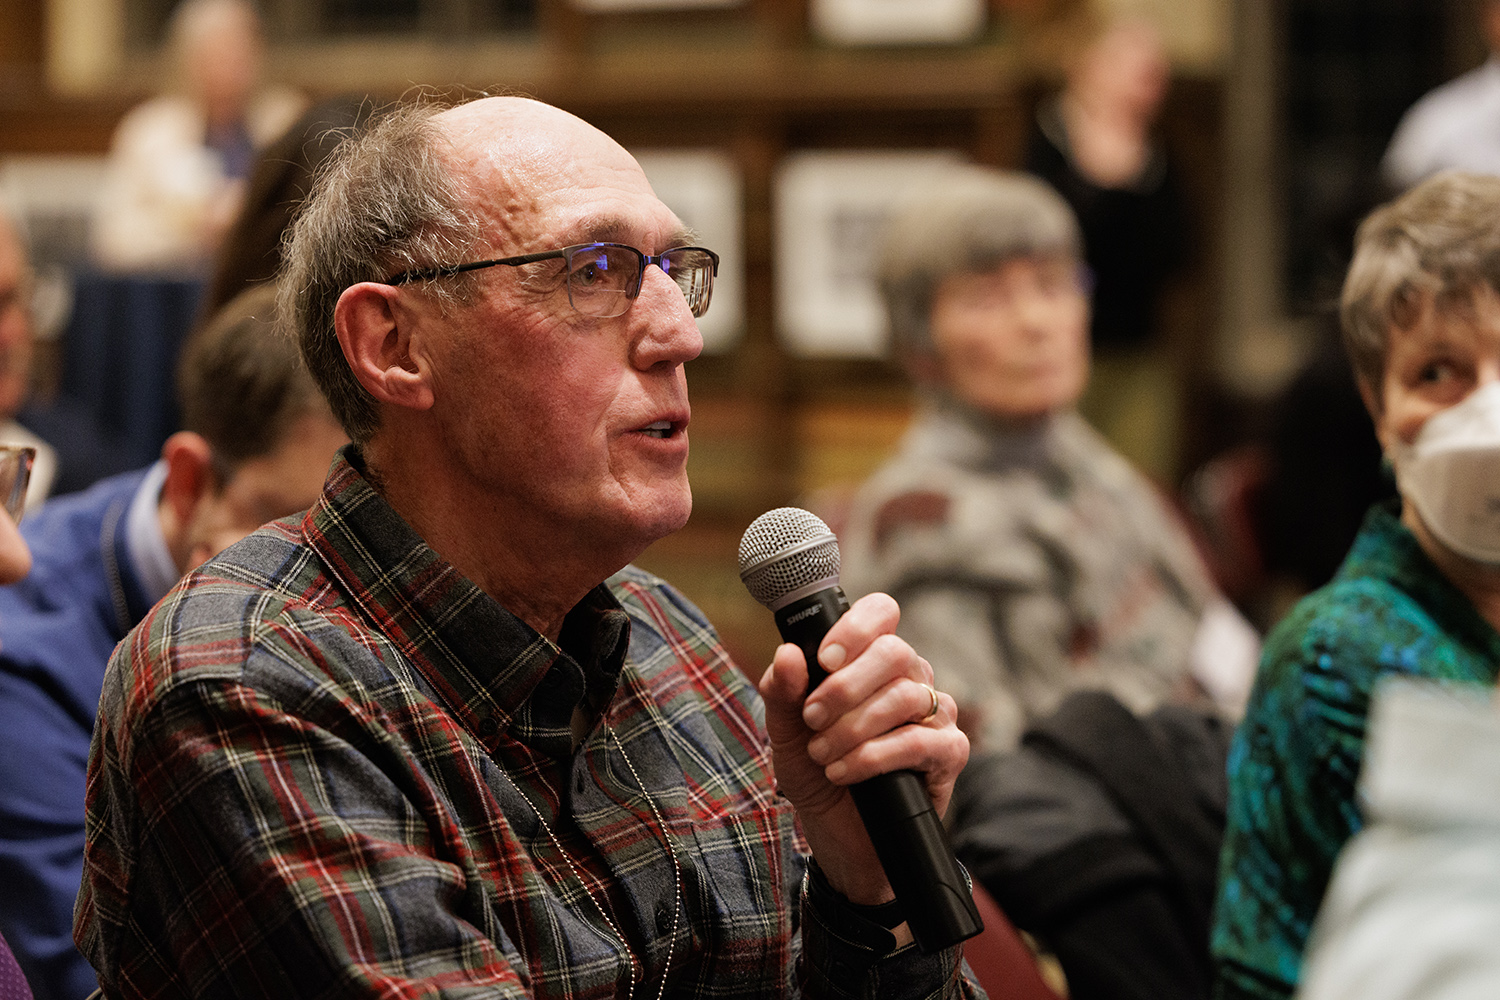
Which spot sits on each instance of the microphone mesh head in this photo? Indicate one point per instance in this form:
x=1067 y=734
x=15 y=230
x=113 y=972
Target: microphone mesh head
x=784 y=550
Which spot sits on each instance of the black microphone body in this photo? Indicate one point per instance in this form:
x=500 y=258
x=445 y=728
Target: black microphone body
x=897 y=812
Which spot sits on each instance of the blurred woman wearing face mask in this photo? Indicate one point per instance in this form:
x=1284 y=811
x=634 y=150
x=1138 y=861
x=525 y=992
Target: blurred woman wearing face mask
x=1419 y=594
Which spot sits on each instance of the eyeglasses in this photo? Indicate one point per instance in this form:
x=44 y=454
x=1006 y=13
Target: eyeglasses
x=604 y=278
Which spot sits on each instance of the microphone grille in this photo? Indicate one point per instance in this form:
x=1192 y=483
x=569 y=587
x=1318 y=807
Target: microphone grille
x=786 y=549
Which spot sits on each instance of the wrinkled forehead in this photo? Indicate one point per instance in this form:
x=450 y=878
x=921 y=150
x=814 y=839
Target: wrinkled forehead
x=540 y=177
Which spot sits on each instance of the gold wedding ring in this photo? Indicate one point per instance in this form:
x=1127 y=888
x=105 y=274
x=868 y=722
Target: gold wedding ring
x=932 y=693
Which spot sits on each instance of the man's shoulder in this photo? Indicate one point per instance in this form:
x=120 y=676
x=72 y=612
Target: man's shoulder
x=267 y=594
x=669 y=631
x=1458 y=99
x=67 y=526
x=657 y=607
x=67 y=588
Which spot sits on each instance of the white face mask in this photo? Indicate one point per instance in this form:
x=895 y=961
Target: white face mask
x=1451 y=475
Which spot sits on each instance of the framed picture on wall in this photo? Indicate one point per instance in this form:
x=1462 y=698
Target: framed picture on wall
x=602 y=6
x=896 y=22
x=831 y=209
x=705 y=189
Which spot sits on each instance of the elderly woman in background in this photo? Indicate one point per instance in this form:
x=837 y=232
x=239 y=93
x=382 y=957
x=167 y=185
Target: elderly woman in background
x=1029 y=558
x=178 y=163
x=1418 y=595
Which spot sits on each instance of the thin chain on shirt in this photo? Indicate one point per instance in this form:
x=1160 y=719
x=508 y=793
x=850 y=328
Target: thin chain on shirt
x=599 y=904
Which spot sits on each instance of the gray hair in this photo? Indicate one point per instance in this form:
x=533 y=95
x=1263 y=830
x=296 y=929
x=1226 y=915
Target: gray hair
x=385 y=202
x=975 y=219
x=1437 y=243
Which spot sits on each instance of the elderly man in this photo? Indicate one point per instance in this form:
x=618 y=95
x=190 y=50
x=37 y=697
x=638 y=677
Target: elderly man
x=437 y=737
x=257 y=442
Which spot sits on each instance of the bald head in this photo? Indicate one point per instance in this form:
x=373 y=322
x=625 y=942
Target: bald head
x=423 y=187
x=514 y=153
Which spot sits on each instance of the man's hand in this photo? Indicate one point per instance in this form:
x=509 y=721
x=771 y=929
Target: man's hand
x=869 y=717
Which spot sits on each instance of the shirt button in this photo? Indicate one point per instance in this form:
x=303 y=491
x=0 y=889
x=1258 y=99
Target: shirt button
x=488 y=726
x=663 y=918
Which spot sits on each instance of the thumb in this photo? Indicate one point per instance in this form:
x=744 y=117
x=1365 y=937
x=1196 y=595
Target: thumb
x=782 y=687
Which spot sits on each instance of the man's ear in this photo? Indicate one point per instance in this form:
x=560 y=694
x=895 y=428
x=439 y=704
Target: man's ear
x=190 y=479
x=375 y=333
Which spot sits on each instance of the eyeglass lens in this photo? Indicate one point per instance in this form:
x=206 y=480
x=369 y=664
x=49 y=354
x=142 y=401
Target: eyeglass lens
x=603 y=279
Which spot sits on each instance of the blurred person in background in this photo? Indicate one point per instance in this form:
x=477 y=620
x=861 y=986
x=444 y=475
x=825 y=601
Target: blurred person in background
x=280 y=180
x=178 y=163
x=1055 y=594
x=1419 y=593
x=1413 y=911
x=1030 y=559
x=15 y=560
x=1456 y=126
x=17 y=337
x=1094 y=143
x=257 y=441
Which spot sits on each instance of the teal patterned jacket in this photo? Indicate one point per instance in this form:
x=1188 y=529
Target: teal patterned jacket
x=1297 y=754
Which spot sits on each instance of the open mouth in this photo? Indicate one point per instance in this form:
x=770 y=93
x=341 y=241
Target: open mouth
x=660 y=429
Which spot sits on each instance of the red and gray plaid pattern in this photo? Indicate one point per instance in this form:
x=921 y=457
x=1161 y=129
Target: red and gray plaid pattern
x=328 y=765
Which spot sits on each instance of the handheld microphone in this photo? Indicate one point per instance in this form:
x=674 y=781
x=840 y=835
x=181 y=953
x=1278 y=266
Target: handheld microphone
x=789 y=561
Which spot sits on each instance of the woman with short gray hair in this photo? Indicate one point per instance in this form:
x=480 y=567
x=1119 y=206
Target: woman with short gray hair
x=1029 y=558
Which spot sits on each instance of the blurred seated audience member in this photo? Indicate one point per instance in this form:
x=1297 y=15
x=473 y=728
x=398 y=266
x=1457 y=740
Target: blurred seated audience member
x=1029 y=558
x=178 y=163
x=257 y=443
x=1413 y=911
x=1419 y=593
x=279 y=181
x=1456 y=126
x=15 y=560
x=91 y=446
x=1099 y=836
x=16 y=341
x=1093 y=142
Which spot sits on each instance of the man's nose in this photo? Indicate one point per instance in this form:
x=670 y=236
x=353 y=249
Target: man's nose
x=669 y=332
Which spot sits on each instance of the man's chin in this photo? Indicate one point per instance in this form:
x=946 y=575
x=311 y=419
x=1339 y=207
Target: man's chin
x=666 y=515
x=673 y=517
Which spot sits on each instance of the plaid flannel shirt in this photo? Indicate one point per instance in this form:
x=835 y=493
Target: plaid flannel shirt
x=327 y=764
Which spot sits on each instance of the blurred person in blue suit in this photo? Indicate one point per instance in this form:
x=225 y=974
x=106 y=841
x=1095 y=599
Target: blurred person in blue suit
x=257 y=442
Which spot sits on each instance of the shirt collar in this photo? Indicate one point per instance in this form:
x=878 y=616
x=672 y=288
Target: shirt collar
x=483 y=662
x=146 y=546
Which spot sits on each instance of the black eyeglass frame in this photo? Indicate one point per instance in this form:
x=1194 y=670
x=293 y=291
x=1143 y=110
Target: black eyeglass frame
x=566 y=255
